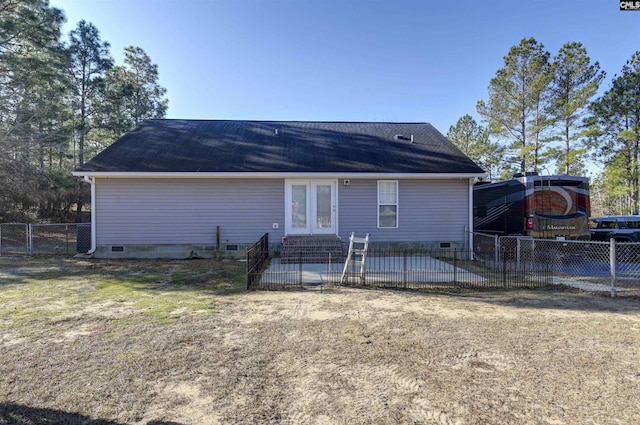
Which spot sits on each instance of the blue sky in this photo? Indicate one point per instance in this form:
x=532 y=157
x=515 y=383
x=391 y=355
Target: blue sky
x=331 y=60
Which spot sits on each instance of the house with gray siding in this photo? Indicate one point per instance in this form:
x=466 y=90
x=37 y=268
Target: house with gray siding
x=169 y=188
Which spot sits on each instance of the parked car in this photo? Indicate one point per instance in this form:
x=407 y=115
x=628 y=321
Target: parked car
x=622 y=228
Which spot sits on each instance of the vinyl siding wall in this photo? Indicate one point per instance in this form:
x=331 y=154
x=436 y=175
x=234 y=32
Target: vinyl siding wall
x=187 y=211
x=428 y=210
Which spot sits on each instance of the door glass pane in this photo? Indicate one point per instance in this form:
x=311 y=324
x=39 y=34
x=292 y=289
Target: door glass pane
x=323 y=206
x=299 y=206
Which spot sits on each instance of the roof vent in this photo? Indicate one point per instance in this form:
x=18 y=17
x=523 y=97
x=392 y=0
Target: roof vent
x=276 y=130
x=403 y=137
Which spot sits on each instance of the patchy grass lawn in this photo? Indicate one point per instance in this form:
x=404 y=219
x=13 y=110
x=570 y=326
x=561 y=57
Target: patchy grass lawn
x=181 y=342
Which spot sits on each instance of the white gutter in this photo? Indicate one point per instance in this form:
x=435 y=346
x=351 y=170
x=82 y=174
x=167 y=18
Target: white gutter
x=249 y=175
x=92 y=182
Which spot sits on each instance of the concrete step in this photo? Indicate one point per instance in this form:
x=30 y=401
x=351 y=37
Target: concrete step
x=311 y=249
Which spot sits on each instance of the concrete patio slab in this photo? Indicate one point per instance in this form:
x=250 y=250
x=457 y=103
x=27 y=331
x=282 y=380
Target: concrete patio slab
x=388 y=269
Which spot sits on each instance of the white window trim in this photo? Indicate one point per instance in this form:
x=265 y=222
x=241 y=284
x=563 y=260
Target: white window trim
x=397 y=204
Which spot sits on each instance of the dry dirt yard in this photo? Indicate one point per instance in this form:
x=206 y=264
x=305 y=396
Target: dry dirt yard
x=181 y=342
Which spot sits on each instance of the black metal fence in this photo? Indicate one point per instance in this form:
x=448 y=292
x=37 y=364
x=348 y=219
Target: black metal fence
x=406 y=269
x=257 y=260
x=297 y=272
x=447 y=269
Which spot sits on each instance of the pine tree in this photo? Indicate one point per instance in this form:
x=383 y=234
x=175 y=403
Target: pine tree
x=90 y=60
x=575 y=81
x=148 y=96
x=32 y=111
x=473 y=140
x=132 y=93
x=516 y=105
x=615 y=128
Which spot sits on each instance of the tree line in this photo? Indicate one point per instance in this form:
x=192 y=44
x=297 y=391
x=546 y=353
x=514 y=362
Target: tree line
x=62 y=100
x=542 y=115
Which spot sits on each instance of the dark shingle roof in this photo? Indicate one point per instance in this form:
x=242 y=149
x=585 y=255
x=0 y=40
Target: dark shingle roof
x=253 y=146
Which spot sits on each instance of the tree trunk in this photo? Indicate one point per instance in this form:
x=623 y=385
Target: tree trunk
x=635 y=176
x=567 y=149
x=79 y=202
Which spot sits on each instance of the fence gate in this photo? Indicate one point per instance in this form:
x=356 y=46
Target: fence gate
x=14 y=239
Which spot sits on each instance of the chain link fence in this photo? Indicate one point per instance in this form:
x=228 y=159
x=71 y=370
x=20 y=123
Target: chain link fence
x=14 y=239
x=605 y=267
x=594 y=266
x=50 y=239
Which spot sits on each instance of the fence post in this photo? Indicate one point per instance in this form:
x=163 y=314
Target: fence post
x=217 y=242
x=29 y=240
x=455 y=263
x=300 y=268
x=496 y=250
x=469 y=243
x=517 y=254
x=504 y=269
x=613 y=263
x=248 y=268
x=404 y=270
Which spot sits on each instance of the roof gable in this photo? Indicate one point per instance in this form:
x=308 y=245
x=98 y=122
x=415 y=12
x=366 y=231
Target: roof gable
x=199 y=146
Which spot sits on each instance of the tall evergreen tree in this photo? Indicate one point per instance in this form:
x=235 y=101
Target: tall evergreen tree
x=615 y=128
x=473 y=140
x=575 y=81
x=30 y=54
x=147 y=95
x=515 y=109
x=132 y=92
x=611 y=191
x=32 y=86
x=32 y=20
x=90 y=60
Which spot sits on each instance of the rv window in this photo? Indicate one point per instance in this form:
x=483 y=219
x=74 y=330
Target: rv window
x=558 y=183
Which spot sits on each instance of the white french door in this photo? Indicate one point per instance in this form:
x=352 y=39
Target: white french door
x=310 y=207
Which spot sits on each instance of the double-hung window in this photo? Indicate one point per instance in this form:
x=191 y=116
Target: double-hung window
x=388 y=203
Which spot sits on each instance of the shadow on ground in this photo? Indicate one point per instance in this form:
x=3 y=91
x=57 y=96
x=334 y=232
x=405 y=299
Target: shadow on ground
x=16 y=414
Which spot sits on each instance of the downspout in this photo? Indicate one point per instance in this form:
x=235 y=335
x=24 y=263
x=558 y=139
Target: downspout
x=92 y=182
x=470 y=247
